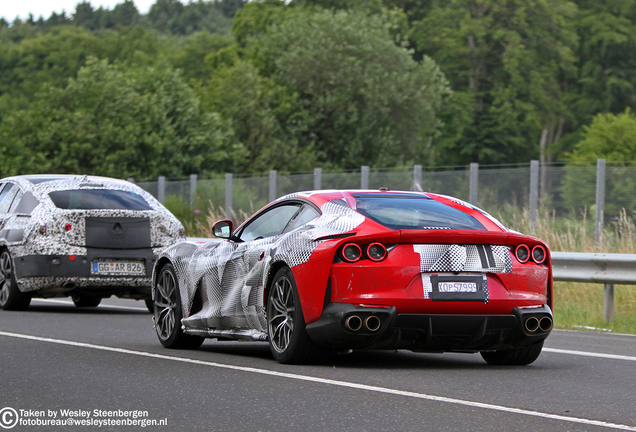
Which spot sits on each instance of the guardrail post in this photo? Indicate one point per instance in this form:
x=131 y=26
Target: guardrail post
x=193 y=189
x=364 y=177
x=417 y=178
x=317 y=178
x=534 y=196
x=600 y=200
x=474 y=183
x=609 y=302
x=161 y=189
x=228 y=196
x=272 y=185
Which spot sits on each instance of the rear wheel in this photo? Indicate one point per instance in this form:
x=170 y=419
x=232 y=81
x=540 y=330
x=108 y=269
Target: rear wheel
x=167 y=312
x=515 y=357
x=11 y=298
x=288 y=339
x=86 y=301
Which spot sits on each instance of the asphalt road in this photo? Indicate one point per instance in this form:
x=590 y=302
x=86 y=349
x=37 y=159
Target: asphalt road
x=59 y=362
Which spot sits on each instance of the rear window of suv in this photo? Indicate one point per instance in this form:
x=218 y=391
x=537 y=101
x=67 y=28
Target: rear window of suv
x=399 y=211
x=98 y=199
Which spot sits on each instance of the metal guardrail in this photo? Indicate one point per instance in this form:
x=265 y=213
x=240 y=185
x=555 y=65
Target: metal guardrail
x=608 y=269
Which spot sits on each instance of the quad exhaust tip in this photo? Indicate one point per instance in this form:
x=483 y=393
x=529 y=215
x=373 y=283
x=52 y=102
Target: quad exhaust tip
x=534 y=324
x=355 y=323
x=545 y=324
x=372 y=323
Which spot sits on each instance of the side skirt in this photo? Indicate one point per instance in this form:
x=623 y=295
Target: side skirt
x=249 y=335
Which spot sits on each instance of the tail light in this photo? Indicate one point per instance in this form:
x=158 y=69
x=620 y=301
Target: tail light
x=538 y=254
x=67 y=227
x=522 y=252
x=351 y=252
x=376 y=251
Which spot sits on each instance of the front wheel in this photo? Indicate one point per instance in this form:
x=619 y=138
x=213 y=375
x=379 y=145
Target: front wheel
x=11 y=298
x=514 y=357
x=168 y=313
x=288 y=339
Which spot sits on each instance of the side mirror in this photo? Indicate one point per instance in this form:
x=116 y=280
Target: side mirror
x=223 y=229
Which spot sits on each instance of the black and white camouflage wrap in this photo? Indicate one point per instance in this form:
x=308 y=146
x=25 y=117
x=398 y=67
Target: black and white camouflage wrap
x=21 y=235
x=466 y=259
x=230 y=277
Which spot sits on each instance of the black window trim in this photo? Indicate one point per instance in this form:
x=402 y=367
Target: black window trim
x=239 y=231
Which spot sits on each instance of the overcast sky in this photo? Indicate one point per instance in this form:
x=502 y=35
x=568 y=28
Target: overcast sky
x=10 y=9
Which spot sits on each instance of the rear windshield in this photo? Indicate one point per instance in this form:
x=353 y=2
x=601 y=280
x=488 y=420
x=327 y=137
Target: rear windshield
x=98 y=199
x=414 y=212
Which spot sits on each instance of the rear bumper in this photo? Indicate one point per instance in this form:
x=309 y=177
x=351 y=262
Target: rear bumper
x=345 y=326
x=56 y=274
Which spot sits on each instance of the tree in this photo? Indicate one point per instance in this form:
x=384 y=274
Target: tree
x=606 y=57
x=139 y=122
x=265 y=116
x=512 y=66
x=367 y=100
x=611 y=137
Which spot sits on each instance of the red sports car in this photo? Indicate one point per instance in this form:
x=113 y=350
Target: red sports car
x=360 y=269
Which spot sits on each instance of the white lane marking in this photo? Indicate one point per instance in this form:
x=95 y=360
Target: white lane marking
x=330 y=382
x=70 y=303
x=590 y=354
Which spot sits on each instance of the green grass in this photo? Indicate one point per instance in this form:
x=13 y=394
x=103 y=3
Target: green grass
x=580 y=306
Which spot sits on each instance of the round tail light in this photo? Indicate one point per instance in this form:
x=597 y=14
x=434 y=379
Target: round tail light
x=351 y=252
x=376 y=251
x=538 y=254
x=522 y=252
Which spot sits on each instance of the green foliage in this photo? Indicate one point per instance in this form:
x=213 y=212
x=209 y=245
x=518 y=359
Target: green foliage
x=265 y=116
x=190 y=54
x=611 y=137
x=366 y=99
x=511 y=64
x=141 y=122
x=172 y=16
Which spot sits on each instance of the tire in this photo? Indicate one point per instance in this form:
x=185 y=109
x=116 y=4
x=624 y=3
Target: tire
x=150 y=305
x=167 y=312
x=516 y=357
x=288 y=339
x=86 y=301
x=11 y=298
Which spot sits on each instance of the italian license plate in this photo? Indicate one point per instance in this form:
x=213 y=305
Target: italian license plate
x=118 y=267
x=459 y=288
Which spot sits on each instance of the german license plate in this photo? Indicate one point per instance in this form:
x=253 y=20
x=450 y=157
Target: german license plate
x=118 y=267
